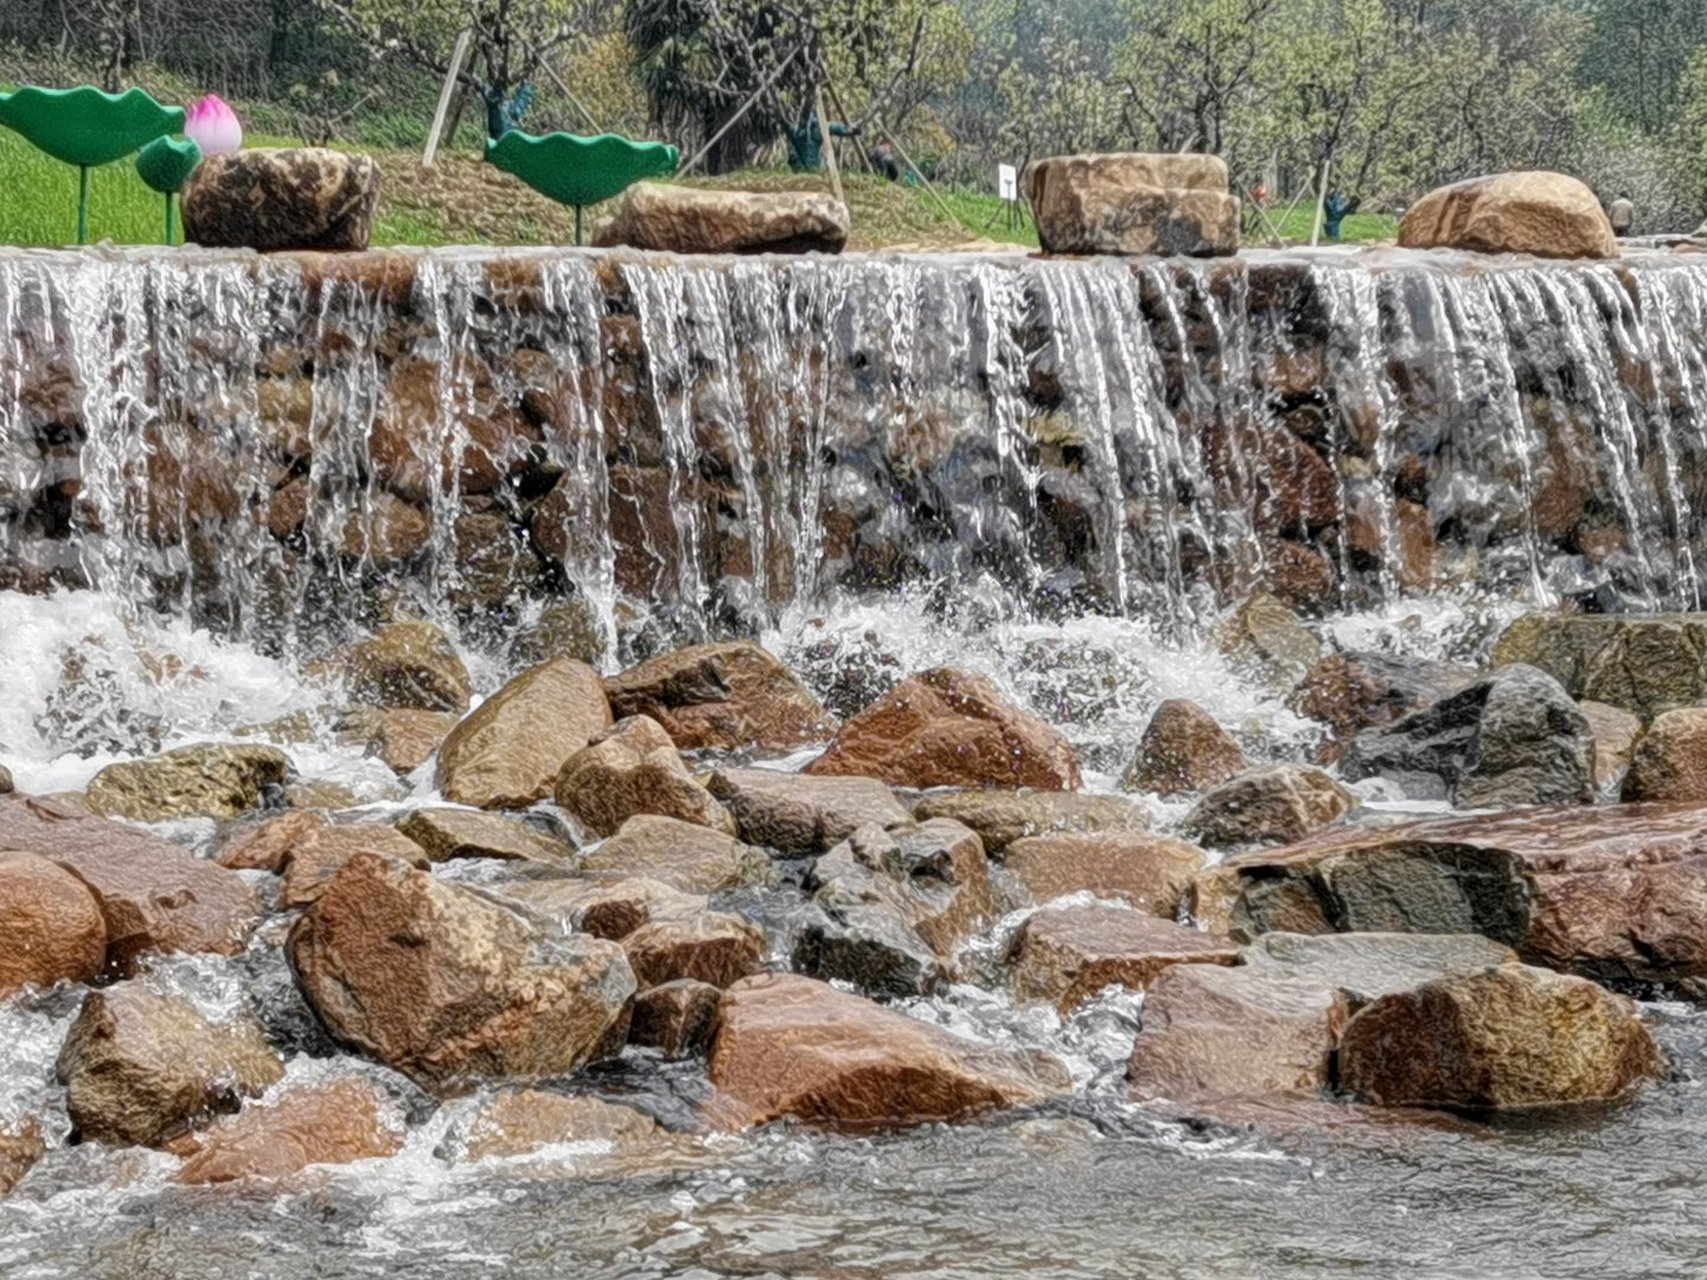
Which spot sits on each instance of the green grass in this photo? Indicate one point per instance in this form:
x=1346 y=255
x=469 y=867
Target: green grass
x=1359 y=228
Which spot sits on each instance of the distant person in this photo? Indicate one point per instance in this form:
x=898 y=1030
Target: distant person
x=1335 y=210
x=882 y=159
x=1622 y=212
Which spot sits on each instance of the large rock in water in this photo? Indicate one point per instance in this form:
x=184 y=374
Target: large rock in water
x=1513 y=739
x=950 y=728
x=408 y=664
x=689 y=220
x=339 y=1122
x=1645 y=665
x=1670 y=760
x=1151 y=873
x=140 y=1066
x=633 y=768
x=799 y=817
x=1509 y=1037
x=1134 y=204
x=791 y=1047
x=731 y=697
x=1546 y=214
x=282 y=198
x=51 y=924
x=448 y=987
x=1611 y=893
x=202 y=781
x=508 y=751
x=154 y=895
x=1183 y=749
x=684 y=855
x=1272 y=805
x=1068 y=954
x=1001 y=817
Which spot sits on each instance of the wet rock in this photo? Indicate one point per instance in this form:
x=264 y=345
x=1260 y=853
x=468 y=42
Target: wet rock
x=1134 y=204
x=6 y=787
x=1264 y=634
x=1615 y=732
x=140 y=1066
x=633 y=768
x=201 y=781
x=712 y=947
x=1183 y=749
x=154 y=895
x=1513 y=739
x=896 y=906
x=1151 y=873
x=266 y=845
x=1549 y=215
x=465 y=833
x=948 y=728
x=327 y=796
x=408 y=664
x=51 y=923
x=799 y=816
x=1645 y=665
x=676 y=1018
x=677 y=219
x=568 y=630
x=320 y=854
x=271 y=198
x=1069 y=954
x=403 y=737
x=21 y=1145
x=515 y=1122
x=1274 y=805
x=684 y=855
x=339 y=1122
x=507 y=753
x=385 y=532
x=1670 y=761
x=1212 y=1034
x=417 y=454
x=789 y=1046
x=1366 y=966
x=1002 y=817
x=1615 y=894
x=1509 y=1037
x=1351 y=692
x=610 y=909
x=448 y=987
x=732 y=697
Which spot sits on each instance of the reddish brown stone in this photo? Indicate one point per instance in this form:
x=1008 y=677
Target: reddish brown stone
x=266 y=845
x=51 y=924
x=1152 y=873
x=335 y=1123
x=1069 y=954
x=1183 y=749
x=676 y=1018
x=731 y=696
x=708 y=946
x=1670 y=760
x=633 y=768
x=321 y=853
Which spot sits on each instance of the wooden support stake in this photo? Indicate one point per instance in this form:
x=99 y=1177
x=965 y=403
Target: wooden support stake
x=1321 y=206
x=829 y=146
x=457 y=55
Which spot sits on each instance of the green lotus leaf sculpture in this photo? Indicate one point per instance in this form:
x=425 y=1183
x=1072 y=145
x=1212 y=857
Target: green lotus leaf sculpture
x=165 y=165
x=580 y=171
x=86 y=127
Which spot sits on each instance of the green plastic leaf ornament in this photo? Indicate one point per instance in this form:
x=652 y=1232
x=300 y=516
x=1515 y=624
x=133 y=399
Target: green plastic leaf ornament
x=580 y=171
x=165 y=165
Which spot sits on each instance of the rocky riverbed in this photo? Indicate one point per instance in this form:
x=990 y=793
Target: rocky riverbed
x=876 y=948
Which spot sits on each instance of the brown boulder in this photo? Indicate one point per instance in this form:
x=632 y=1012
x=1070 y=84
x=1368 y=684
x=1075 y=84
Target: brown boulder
x=418 y=450
x=507 y=752
x=266 y=845
x=408 y=664
x=6 y=787
x=1002 y=817
x=1264 y=634
x=21 y=1145
x=1615 y=732
x=1152 y=873
x=1350 y=692
x=1616 y=893
x=1134 y=204
x=676 y=1018
x=154 y=895
x=1212 y=1033
x=712 y=947
x=732 y=696
x=1070 y=954
x=1643 y=664
x=686 y=856
x=676 y=219
x=610 y=909
x=51 y=923
x=799 y=816
x=1670 y=760
x=448 y=987
x=633 y=768
x=788 y=1046
x=445 y=833
x=1509 y=1037
x=338 y=1122
x=1183 y=749
x=950 y=728
x=140 y=1066
x=1549 y=215
x=1275 y=805
x=271 y=198
x=201 y=781
x=385 y=531
x=516 y=1122
x=321 y=854
x=405 y=738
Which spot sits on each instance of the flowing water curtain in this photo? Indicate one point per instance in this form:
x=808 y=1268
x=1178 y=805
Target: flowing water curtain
x=87 y=128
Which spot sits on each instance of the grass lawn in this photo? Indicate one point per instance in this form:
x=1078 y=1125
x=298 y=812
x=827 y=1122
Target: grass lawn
x=1359 y=228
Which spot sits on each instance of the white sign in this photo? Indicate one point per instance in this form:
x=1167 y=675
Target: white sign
x=1007 y=181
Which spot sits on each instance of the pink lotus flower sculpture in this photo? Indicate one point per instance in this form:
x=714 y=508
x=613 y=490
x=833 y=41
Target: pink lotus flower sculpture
x=214 y=127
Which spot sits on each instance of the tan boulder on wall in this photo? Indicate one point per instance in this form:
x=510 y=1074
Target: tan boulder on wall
x=1134 y=203
x=1550 y=215
x=677 y=219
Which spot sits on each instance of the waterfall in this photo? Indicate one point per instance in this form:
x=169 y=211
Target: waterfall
x=284 y=448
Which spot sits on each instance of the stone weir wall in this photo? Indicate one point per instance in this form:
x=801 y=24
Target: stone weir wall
x=282 y=446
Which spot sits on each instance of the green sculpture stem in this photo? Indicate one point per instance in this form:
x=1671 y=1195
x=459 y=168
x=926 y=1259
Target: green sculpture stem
x=83 y=204
x=170 y=231
x=578 y=239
